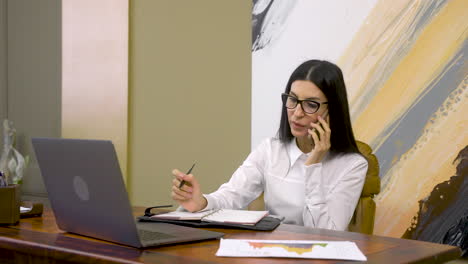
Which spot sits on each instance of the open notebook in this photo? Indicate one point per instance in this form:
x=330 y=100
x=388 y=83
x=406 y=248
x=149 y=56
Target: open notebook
x=242 y=217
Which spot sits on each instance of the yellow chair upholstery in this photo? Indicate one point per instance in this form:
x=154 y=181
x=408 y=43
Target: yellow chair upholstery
x=364 y=214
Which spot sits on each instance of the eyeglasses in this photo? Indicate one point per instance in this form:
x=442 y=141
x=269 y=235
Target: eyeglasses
x=308 y=106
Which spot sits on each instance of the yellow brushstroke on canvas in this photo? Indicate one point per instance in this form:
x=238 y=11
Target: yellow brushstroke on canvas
x=428 y=163
x=424 y=61
x=371 y=46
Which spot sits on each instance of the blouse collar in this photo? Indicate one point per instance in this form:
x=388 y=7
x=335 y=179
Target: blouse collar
x=294 y=151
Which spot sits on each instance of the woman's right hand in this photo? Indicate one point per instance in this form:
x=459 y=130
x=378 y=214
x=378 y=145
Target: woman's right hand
x=189 y=196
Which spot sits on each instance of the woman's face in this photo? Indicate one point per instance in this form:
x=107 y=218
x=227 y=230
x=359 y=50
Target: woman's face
x=299 y=121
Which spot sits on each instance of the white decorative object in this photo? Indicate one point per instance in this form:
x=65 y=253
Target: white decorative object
x=12 y=163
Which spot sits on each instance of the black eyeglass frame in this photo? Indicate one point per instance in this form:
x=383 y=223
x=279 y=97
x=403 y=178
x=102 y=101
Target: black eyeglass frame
x=285 y=96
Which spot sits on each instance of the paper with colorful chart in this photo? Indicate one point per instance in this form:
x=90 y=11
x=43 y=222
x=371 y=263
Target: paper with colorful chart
x=345 y=250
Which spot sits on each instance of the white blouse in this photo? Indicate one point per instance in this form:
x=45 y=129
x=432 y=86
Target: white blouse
x=322 y=195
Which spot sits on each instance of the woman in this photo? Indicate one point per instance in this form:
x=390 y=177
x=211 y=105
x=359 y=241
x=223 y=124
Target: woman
x=311 y=173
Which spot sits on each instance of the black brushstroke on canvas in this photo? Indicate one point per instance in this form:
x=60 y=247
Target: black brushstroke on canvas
x=257 y=23
x=443 y=216
x=458 y=236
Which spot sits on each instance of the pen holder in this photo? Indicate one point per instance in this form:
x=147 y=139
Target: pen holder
x=9 y=204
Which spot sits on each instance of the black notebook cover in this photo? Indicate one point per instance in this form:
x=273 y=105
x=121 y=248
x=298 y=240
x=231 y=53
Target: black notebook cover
x=267 y=223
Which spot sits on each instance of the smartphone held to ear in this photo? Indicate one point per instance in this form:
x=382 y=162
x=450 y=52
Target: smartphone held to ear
x=324 y=116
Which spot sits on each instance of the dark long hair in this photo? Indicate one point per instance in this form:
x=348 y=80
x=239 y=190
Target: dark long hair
x=329 y=79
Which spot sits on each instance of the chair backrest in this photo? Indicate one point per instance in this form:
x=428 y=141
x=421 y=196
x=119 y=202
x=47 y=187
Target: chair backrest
x=364 y=214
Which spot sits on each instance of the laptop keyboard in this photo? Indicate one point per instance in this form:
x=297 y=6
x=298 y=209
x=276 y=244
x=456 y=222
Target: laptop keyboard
x=146 y=235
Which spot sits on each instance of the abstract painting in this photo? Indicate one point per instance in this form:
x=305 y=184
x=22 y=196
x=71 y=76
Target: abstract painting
x=406 y=72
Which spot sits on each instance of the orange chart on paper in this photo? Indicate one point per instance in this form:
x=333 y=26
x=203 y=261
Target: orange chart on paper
x=314 y=249
x=295 y=248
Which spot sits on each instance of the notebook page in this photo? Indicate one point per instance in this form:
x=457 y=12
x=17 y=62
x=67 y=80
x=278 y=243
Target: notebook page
x=244 y=217
x=177 y=215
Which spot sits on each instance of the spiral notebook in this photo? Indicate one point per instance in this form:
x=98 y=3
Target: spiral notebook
x=230 y=216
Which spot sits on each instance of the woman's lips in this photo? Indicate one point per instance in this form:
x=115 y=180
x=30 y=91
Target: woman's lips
x=297 y=125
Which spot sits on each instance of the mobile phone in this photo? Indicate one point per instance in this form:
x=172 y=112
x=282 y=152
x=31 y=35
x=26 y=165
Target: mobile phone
x=318 y=134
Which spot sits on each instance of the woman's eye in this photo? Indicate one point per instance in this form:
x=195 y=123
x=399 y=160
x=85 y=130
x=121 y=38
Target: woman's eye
x=312 y=105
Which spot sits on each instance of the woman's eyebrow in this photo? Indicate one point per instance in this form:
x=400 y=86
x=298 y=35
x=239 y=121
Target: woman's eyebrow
x=310 y=98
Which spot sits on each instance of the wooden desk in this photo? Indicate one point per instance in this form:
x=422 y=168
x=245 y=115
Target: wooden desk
x=38 y=240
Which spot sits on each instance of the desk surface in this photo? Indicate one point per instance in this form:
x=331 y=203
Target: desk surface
x=40 y=239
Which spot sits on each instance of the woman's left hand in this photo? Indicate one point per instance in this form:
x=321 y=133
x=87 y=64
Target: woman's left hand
x=320 y=133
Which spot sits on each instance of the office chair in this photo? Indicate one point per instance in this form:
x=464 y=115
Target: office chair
x=364 y=214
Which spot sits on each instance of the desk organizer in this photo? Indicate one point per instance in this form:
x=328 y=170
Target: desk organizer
x=9 y=204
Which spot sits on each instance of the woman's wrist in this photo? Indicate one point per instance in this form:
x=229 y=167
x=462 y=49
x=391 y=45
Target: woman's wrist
x=203 y=203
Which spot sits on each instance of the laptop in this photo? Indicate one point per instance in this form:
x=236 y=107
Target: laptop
x=88 y=195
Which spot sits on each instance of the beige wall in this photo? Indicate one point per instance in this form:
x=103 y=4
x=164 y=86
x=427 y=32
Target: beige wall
x=189 y=100
x=34 y=62
x=66 y=74
x=95 y=72
x=3 y=60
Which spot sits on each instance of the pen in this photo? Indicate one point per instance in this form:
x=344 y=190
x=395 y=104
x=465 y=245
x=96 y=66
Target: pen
x=189 y=171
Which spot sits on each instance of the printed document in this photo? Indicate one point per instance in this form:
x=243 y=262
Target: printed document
x=344 y=250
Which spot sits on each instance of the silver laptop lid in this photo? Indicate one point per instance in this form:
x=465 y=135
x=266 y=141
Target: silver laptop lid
x=86 y=188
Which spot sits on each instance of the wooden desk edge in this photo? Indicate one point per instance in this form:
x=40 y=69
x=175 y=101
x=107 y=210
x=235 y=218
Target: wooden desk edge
x=12 y=238
x=60 y=253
